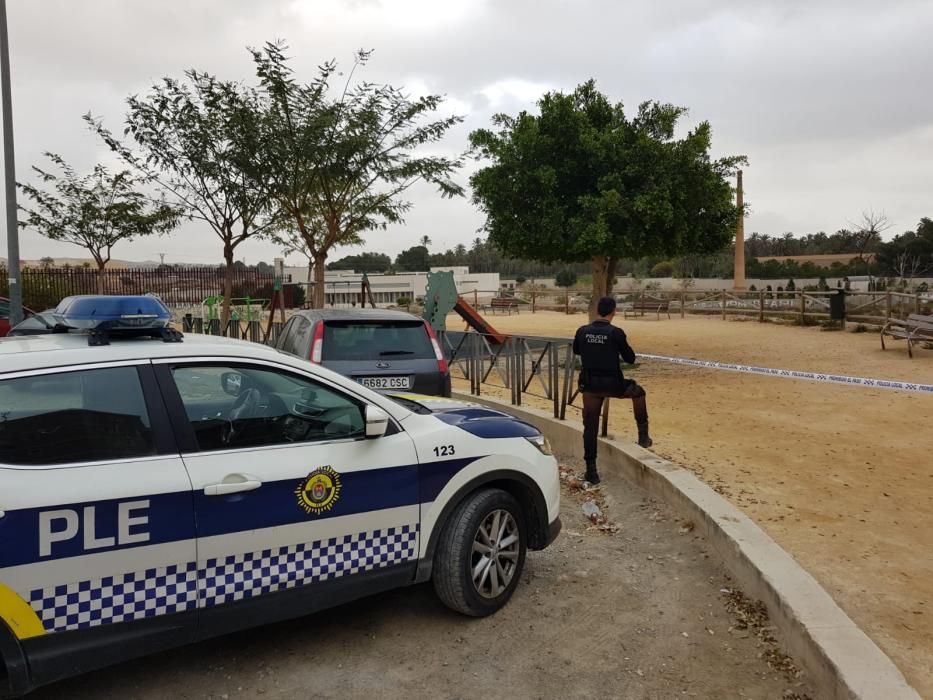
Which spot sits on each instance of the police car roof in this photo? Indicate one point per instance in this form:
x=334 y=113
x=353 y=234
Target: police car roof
x=22 y=353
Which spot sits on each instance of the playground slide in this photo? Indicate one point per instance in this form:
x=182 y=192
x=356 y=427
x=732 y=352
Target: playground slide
x=441 y=297
x=475 y=321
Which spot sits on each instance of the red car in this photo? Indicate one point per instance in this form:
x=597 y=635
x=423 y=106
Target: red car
x=5 y=315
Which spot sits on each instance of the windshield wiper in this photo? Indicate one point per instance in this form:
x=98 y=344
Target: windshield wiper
x=396 y=352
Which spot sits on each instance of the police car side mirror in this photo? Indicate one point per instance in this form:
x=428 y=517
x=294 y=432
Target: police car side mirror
x=232 y=383
x=377 y=422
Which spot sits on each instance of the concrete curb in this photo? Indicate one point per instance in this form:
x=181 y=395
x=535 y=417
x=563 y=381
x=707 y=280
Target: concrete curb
x=841 y=660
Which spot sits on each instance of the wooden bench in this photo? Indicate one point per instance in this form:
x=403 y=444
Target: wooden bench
x=648 y=304
x=916 y=329
x=504 y=304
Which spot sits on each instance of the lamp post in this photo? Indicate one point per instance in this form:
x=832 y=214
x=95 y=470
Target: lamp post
x=738 y=275
x=9 y=170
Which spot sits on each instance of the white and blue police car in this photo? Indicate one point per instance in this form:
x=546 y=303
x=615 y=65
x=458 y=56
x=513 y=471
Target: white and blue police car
x=156 y=490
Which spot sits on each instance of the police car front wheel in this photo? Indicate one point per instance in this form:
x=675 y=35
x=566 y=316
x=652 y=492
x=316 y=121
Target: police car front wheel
x=481 y=553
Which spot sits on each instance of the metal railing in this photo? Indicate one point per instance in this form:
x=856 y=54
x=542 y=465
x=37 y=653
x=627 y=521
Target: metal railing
x=525 y=366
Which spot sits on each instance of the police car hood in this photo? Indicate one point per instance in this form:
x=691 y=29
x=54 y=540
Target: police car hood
x=475 y=418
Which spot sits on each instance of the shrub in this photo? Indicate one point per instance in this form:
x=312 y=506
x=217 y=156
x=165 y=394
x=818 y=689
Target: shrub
x=665 y=268
x=566 y=278
x=402 y=301
x=790 y=286
x=298 y=296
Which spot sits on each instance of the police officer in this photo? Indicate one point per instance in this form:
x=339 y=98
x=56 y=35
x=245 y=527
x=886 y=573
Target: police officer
x=599 y=345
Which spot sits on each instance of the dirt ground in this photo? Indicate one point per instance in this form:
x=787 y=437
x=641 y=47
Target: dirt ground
x=841 y=477
x=643 y=612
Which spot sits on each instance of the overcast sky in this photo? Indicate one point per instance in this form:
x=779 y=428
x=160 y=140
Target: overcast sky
x=831 y=100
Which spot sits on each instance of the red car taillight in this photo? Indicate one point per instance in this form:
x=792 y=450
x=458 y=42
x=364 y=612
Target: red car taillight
x=438 y=353
x=317 y=343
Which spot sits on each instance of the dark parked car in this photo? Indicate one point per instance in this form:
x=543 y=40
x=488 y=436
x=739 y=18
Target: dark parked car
x=5 y=315
x=381 y=349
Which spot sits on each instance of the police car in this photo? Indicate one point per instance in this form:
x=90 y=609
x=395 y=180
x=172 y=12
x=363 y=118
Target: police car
x=156 y=490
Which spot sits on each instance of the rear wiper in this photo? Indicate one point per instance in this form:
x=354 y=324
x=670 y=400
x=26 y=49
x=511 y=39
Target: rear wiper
x=396 y=352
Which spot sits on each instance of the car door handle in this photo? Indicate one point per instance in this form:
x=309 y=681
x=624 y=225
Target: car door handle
x=233 y=483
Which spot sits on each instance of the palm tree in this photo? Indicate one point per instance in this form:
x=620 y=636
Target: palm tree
x=425 y=240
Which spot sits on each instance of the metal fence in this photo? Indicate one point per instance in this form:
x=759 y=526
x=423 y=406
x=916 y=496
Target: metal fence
x=43 y=288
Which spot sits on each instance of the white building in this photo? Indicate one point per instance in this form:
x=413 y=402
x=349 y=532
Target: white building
x=342 y=287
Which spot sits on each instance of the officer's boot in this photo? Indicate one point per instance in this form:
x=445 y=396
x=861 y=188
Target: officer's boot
x=591 y=474
x=643 y=439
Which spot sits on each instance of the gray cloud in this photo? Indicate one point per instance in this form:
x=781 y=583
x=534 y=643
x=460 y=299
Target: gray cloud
x=830 y=100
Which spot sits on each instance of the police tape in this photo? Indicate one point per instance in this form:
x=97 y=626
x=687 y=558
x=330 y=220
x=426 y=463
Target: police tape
x=795 y=374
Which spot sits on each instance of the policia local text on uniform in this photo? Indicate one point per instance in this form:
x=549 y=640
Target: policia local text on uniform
x=600 y=345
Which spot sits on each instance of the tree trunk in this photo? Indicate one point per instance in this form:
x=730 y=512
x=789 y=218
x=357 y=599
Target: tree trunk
x=604 y=271
x=101 y=265
x=309 y=297
x=319 y=260
x=228 y=288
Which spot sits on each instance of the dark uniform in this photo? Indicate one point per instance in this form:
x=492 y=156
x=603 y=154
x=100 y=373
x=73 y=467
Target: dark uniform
x=600 y=345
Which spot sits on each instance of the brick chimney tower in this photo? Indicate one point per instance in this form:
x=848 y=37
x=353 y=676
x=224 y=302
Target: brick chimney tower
x=738 y=276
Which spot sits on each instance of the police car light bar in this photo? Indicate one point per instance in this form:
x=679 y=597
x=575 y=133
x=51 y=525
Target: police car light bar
x=105 y=316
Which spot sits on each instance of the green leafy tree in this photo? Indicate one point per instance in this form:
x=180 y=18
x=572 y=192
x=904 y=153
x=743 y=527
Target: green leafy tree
x=94 y=211
x=665 y=268
x=566 y=277
x=909 y=254
x=340 y=166
x=364 y=262
x=414 y=259
x=583 y=181
x=194 y=139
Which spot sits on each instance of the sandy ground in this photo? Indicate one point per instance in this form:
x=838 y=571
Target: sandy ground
x=841 y=477
x=644 y=612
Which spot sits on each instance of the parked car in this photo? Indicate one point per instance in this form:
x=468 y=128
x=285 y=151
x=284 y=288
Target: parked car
x=37 y=323
x=381 y=349
x=159 y=489
x=5 y=316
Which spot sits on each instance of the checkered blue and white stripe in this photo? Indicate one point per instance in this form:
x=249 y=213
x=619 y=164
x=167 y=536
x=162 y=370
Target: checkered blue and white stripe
x=257 y=573
x=120 y=598
x=176 y=588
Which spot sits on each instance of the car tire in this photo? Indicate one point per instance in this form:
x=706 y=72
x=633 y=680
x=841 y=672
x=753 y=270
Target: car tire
x=481 y=553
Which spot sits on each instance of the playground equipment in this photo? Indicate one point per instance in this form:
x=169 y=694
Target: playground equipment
x=366 y=292
x=241 y=308
x=278 y=297
x=441 y=297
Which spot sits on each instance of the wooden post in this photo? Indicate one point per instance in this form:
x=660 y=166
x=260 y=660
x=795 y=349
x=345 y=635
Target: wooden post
x=533 y=296
x=567 y=301
x=723 y=304
x=761 y=306
x=683 y=303
x=476 y=299
x=887 y=305
x=803 y=307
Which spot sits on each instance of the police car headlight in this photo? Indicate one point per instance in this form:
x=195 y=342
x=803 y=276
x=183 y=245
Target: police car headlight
x=541 y=443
